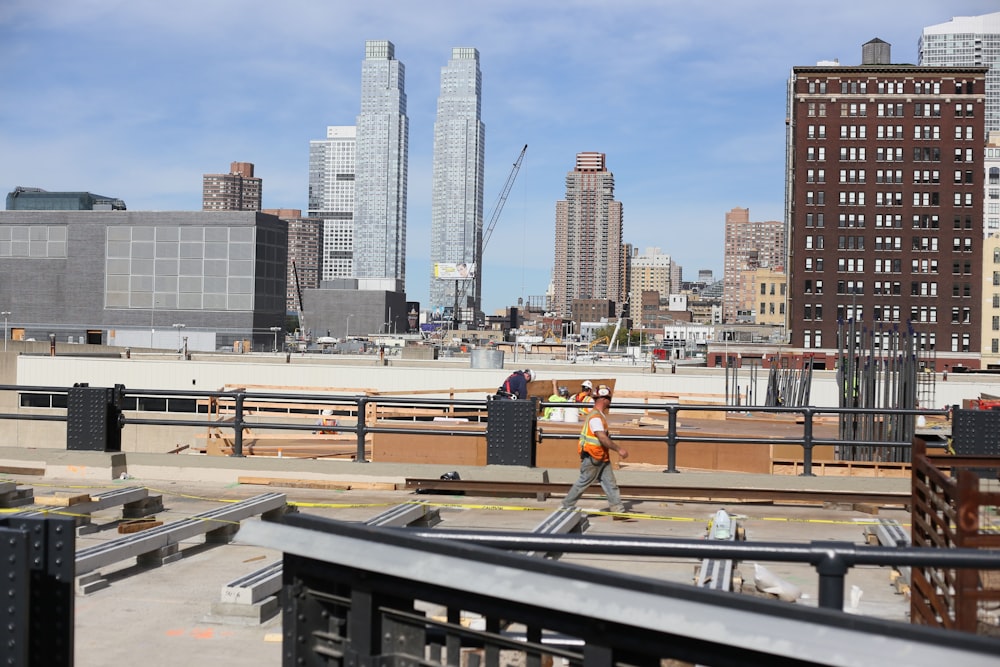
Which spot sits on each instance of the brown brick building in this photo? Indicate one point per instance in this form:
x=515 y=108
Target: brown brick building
x=885 y=178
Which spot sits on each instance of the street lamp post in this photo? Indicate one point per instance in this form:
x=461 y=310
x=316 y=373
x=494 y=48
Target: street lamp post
x=5 y=314
x=275 y=331
x=178 y=326
x=347 y=327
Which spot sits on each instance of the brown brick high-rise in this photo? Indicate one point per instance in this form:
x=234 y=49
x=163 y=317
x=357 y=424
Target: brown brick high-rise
x=885 y=182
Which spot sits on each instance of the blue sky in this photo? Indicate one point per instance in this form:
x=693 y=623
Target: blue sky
x=138 y=99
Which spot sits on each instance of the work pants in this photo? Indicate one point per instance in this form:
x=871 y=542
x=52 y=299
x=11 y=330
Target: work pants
x=591 y=471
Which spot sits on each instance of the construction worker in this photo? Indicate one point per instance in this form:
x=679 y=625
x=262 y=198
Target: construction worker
x=325 y=422
x=585 y=395
x=595 y=461
x=553 y=413
x=516 y=385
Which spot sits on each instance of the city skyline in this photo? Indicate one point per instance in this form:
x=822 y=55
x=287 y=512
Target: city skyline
x=687 y=102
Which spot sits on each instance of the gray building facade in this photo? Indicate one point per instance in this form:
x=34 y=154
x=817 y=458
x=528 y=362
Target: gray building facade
x=139 y=278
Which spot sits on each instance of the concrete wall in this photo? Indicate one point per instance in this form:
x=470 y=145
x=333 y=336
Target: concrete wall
x=357 y=375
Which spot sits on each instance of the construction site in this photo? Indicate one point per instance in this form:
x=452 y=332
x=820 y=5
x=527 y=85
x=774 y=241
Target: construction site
x=870 y=465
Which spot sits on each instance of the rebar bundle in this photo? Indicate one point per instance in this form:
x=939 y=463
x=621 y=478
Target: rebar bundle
x=789 y=387
x=876 y=369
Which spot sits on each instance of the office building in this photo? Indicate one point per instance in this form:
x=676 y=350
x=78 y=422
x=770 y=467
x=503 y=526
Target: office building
x=651 y=271
x=381 y=172
x=239 y=190
x=588 y=238
x=137 y=278
x=968 y=41
x=36 y=199
x=331 y=197
x=457 y=184
x=305 y=254
x=885 y=177
x=748 y=246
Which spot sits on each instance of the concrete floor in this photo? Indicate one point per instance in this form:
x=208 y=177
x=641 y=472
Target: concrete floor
x=163 y=615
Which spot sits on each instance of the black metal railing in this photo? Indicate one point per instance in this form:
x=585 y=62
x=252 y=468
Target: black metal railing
x=351 y=596
x=237 y=400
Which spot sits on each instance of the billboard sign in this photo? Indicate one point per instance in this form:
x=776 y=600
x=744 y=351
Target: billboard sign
x=454 y=270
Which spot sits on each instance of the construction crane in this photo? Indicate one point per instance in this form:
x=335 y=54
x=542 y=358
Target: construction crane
x=488 y=232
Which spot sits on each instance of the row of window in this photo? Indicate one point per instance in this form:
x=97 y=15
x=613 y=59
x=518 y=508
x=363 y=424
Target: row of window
x=888 y=154
x=923 y=199
x=887 y=313
x=862 y=87
x=920 y=132
x=888 y=220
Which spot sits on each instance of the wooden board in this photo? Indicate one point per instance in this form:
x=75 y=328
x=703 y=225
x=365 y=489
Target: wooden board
x=62 y=499
x=317 y=484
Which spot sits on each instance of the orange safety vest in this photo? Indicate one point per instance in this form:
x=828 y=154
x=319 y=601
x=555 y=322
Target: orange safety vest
x=327 y=421
x=583 y=397
x=589 y=444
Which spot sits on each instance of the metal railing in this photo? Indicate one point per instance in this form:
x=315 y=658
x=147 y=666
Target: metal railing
x=351 y=595
x=237 y=401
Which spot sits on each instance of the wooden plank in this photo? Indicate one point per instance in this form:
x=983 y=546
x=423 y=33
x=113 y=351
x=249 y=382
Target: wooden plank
x=136 y=525
x=63 y=499
x=17 y=470
x=317 y=484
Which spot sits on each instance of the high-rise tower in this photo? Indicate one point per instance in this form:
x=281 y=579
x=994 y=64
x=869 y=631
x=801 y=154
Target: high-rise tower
x=748 y=246
x=967 y=41
x=380 y=176
x=331 y=198
x=457 y=187
x=588 y=243
x=885 y=216
x=239 y=190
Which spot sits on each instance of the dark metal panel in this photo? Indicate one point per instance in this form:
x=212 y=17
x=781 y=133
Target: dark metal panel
x=510 y=432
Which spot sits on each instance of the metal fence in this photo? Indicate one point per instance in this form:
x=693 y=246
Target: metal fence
x=358 y=405
x=356 y=595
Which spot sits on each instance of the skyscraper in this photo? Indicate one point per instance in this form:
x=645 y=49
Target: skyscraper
x=749 y=246
x=885 y=170
x=967 y=41
x=588 y=243
x=457 y=188
x=380 y=185
x=239 y=190
x=332 y=196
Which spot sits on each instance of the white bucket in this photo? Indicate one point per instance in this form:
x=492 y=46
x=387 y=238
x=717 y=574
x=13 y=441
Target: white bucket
x=571 y=414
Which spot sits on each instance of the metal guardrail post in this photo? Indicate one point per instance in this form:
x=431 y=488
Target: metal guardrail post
x=238 y=425
x=807 y=443
x=671 y=439
x=361 y=430
x=832 y=567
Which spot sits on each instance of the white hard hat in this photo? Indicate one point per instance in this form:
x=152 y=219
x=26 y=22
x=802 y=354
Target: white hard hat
x=587 y=384
x=328 y=412
x=529 y=374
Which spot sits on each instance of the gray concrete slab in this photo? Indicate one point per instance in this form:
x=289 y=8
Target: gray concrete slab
x=164 y=615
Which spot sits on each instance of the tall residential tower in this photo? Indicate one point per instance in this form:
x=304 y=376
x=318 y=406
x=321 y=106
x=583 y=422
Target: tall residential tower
x=331 y=198
x=239 y=190
x=749 y=246
x=967 y=41
x=457 y=188
x=381 y=172
x=588 y=242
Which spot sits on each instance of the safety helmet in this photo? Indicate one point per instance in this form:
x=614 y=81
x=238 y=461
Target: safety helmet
x=604 y=392
x=587 y=384
x=528 y=374
x=564 y=391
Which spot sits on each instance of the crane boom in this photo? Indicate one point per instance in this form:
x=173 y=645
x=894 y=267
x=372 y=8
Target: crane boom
x=502 y=199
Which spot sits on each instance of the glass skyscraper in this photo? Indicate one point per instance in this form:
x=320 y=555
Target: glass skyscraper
x=457 y=189
x=381 y=171
x=331 y=198
x=968 y=41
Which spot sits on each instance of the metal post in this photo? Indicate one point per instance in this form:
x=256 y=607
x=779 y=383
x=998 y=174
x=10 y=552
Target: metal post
x=832 y=568
x=275 y=331
x=807 y=443
x=5 y=314
x=238 y=425
x=361 y=430
x=671 y=439
x=178 y=326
